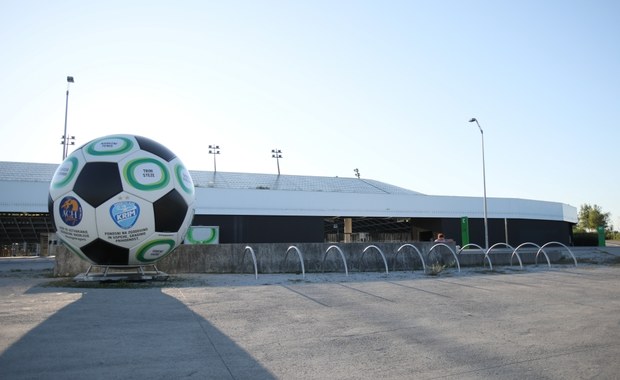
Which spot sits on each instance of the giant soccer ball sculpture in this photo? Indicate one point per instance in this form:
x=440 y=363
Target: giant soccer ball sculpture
x=121 y=200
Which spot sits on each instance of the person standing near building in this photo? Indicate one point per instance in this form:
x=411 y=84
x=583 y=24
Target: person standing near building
x=441 y=238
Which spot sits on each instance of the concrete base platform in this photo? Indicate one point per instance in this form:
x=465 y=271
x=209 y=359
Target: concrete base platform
x=117 y=274
x=137 y=277
x=541 y=323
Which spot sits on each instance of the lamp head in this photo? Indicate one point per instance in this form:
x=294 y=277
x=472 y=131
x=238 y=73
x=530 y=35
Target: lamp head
x=70 y=80
x=473 y=119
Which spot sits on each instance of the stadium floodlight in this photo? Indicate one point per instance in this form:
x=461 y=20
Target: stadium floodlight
x=214 y=150
x=65 y=139
x=484 y=185
x=277 y=154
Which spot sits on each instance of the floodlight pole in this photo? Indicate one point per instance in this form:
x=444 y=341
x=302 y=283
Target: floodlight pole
x=484 y=184
x=65 y=138
x=277 y=154
x=214 y=150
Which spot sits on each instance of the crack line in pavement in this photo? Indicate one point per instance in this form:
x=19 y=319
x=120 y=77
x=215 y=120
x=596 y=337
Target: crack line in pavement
x=509 y=282
x=469 y=286
x=580 y=274
x=305 y=296
x=584 y=349
x=422 y=290
x=369 y=294
x=556 y=281
x=374 y=332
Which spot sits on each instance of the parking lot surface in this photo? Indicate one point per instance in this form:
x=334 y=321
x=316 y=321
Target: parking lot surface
x=561 y=322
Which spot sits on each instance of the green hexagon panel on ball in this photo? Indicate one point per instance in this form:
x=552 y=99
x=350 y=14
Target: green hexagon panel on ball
x=122 y=200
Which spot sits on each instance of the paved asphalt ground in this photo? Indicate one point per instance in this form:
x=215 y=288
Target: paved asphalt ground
x=541 y=323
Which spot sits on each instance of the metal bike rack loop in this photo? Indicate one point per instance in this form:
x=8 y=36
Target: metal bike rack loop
x=451 y=251
x=301 y=259
x=380 y=252
x=539 y=250
x=514 y=252
x=558 y=243
x=416 y=249
x=486 y=256
x=248 y=248
x=344 y=260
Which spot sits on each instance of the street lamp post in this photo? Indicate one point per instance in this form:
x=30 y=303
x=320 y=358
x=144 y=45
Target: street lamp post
x=484 y=184
x=214 y=150
x=277 y=154
x=65 y=139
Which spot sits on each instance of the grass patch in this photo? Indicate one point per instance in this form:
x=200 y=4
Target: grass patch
x=436 y=269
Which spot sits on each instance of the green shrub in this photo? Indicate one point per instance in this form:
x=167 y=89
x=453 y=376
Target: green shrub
x=585 y=239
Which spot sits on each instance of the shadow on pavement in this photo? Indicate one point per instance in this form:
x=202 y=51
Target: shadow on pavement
x=122 y=333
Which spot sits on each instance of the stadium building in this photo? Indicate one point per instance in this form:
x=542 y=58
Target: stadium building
x=263 y=208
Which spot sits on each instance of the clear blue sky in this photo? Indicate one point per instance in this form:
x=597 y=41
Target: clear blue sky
x=384 y=86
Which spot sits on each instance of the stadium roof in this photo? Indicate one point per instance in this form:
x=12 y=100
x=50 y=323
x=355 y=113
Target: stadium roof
x=37 y=172
x=252 y=181
x=26 y=171
x=24 y=188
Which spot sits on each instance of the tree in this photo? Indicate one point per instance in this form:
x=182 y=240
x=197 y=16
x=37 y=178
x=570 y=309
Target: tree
x=592 y=216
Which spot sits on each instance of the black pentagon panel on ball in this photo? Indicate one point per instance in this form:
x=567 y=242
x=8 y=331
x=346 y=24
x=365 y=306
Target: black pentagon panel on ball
x=98 y=182
x=103 y=253
x=170 y=211
x=156 y=148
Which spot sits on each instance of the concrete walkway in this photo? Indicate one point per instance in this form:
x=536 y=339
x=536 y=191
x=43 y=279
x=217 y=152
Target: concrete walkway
x=541 y=323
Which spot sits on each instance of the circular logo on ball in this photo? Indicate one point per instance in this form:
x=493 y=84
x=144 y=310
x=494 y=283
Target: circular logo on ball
x=65 y=172
x=125 y=214
x=185 y=179
x=146 y=174
x=70 y=211
x=108 y=146
x=155 y=250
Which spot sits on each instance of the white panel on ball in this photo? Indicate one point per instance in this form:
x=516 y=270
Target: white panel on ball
x=183 y=180
x=110 y=148
x=66 y=174
x=125 y=220
x=154 y=248
x=147 y=175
